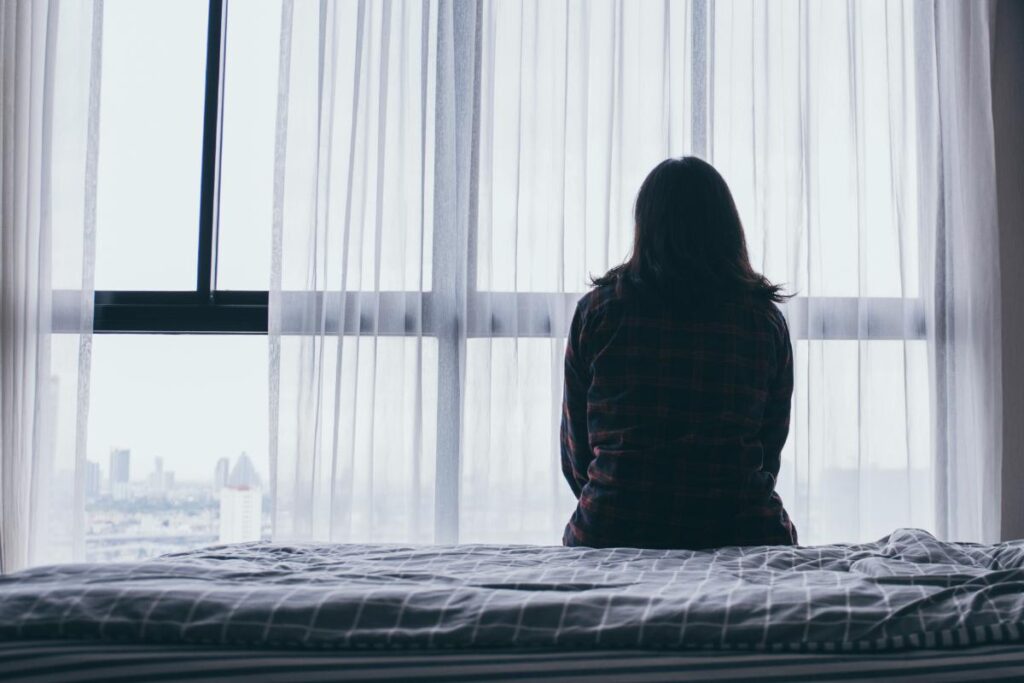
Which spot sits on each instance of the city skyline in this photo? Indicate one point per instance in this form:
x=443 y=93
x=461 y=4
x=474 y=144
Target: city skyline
x=100 y=474
x=155 y=513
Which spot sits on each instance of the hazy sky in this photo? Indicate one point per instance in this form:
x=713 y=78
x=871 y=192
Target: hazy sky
x=188 y=399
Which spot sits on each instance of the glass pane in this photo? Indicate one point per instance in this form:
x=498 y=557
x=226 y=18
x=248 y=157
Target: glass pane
x=512 y=489
x=58 y=535
x=857 y=463
x=824 y=173
x=371 y=215
x=247 y=166
x=566 y=140
x=69 y=143
x=177 y=454
x=357 y=462
x=151 y=130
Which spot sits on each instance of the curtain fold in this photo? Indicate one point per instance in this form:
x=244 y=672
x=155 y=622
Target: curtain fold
x=354 y=380
x=449 y=174
x=48 y=129
x=958 y=200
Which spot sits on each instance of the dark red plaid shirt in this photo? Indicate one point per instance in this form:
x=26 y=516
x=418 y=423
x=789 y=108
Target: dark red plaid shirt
x=673 y=422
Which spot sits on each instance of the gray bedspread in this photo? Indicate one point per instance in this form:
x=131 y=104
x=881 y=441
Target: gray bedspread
x=906 y=590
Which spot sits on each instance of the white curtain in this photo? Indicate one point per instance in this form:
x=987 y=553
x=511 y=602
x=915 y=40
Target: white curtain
x=48 y=150
x=958 y=200
x=448 y=175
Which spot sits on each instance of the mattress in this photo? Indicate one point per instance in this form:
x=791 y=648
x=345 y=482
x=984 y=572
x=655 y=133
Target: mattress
x=71 y=661
x=906 y=591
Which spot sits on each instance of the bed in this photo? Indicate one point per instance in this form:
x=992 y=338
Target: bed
x=906 y=606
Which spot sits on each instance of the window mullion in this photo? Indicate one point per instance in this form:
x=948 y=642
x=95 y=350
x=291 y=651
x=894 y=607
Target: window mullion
x=209 y=195
x=699 y=78
x=456 y=143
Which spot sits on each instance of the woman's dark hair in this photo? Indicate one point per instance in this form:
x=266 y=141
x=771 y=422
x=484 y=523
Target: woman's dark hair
x=688 y=238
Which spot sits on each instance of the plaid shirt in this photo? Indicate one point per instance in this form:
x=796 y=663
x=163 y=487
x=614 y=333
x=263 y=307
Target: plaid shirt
x=673 y=422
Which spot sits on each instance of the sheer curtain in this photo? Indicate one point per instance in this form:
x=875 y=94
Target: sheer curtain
x=958 y=198
x=448 y=175
x=48 y=123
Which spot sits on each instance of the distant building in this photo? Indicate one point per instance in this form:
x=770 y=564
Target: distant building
x=160 y=481
x=241 y=504
x=220 y=474
x=156 y=478
x=120 y=472
x=120 y=464
x=92 y=479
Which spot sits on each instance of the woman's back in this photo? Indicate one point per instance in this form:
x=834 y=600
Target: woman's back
x=674 y=421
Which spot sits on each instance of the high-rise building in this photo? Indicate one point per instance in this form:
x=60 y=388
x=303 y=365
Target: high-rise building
x=220 y=474
x=160 y=480
x=241 y=504
x=243 y=473
x=120 y=464
x=156 y=477
x=92 y=479
x=120 y=471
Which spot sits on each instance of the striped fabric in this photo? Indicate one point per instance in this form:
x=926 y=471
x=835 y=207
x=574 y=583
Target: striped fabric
x=49 y=661
x=906 y=591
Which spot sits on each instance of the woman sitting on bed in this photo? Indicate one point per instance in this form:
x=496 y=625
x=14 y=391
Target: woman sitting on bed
x=678 y=377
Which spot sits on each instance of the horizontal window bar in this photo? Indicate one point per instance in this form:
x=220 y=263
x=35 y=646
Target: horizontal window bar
x=407 y=313
x=856 y=318
x=136 y=312
x=190 y=298
x=510 y=314
x=142 y=319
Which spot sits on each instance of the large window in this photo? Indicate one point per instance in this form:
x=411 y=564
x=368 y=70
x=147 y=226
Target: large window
x=184 y=248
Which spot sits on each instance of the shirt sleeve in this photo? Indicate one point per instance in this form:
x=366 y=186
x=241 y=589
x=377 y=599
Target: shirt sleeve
x=575 y=441
x=775 y=425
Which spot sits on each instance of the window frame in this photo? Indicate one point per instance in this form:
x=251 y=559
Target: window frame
x=204 y=310
x=454 y=309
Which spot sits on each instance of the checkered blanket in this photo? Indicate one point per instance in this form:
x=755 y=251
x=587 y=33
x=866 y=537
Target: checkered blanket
x=906 y=590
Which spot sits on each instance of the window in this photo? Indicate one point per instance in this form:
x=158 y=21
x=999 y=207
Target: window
x=202 y=265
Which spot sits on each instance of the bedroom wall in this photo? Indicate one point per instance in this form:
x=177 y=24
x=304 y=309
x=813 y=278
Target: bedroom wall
x=1008 y=118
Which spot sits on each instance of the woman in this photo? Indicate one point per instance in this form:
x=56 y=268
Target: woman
x=678 y=378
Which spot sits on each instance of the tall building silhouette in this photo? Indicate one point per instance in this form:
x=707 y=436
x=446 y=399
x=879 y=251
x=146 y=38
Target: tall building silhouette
x=220 y=474
x=160 y=481
x=120 y=472
x=92 y=479
x=241 y=504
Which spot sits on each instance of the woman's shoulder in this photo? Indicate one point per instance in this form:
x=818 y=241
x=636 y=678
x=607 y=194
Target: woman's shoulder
x=768 y=313
x=757 y=315
x=606 y=301
x=600 y=298
x=776 y=316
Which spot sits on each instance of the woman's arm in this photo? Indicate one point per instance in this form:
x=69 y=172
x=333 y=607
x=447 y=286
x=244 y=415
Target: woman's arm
x=775 y=424
x=576 y=453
